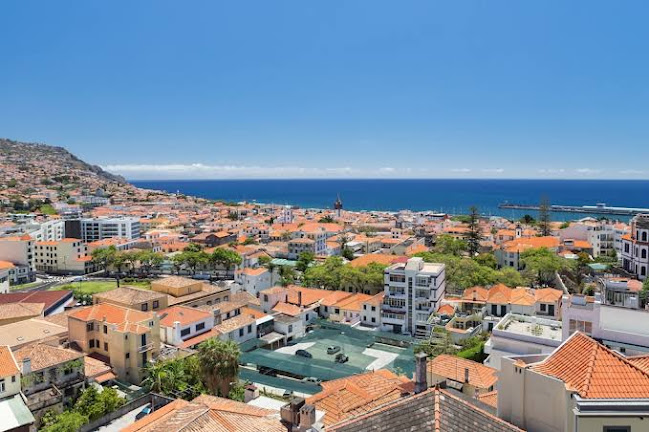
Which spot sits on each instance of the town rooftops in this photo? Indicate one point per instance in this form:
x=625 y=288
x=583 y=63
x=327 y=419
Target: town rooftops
x=374 y=258
x=594 y=371
x=455 y=368
x=432 y=410
x=31 y=330
x=19 y=311
x=43 y=356
x=129 y=295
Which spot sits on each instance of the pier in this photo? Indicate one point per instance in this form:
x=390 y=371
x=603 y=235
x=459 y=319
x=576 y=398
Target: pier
x=600 y=208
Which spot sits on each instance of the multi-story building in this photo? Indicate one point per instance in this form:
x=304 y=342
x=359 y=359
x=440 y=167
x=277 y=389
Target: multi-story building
x=52 y=230
x=5 y=268
x=19 y=250
x=635 y=247
x=129 y=338
x=93 y=229
x=413 y=291
x=16 y=416
x=67 y=256
x=604 y=236
x=52 y=377
x=180 y=323
x=133 y=298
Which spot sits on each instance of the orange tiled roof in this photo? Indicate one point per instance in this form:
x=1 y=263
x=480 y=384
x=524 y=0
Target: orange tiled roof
x=183 y=314
x=287 y=309
x=594 y=371
x=366 y=259
x=490 y=398
x=499 y=294
x=349 y=397
x=8 y=365
x=522 y=296
x=547 y=295
x=446 y=309
x=452 y=367
x=113 y=314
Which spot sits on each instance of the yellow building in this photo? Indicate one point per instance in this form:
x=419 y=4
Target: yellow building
x=129 y=338
x=189 y=292
x=133 y=298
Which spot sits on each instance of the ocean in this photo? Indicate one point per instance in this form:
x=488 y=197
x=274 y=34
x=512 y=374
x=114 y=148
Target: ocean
x=452 y=196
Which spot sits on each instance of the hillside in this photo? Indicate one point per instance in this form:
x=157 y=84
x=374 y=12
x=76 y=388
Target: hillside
x=30 y=171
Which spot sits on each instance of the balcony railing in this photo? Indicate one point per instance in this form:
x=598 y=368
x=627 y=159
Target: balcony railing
x=145 y=348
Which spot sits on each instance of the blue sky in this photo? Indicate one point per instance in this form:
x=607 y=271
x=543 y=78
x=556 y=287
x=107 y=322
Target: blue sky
x=212 y=89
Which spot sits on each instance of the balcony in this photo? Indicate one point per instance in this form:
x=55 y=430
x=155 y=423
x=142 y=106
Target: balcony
x=145 y=348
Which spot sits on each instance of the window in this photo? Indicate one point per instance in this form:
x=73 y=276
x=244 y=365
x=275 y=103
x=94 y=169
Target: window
x=617 y=429
x=364 y=307
x=543 y=307
x=105 y=329
x=156 y=304
x=105 y=346
x=185 y=332
x=290 y=328
x=373 y=319
x=145 y=307
x=266 y=298
x=2 y=386
x=128 y=356
x=90 y=327
x=200 y=326
x=240 y=332
x=373 y=308
x=92 y=343
x=250 y=328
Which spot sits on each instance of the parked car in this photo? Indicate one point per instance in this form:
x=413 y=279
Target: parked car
x=341 y=358
x=267 y=371
x=288 y=393
x=145 y=412
x=313 y=380
x=303 y=353
x=333 y=349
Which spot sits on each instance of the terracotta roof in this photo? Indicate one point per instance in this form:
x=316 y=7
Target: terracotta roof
x=176 y=281
x=547 y=295
x=21 y=310
x=476 y=294
x=490 y=398
x=44 y=356
x=8 y=365
x=522 y=296
x=594 y=371
x=287 y=309
x=130 y=295
x=453 y=367
x=212 y=334
x=6 y=265
x=432 y=410
x=209 y=413
x=234 y=323
x=183 y=314
x=641 y=361
x=50 y=298
x=499 y=294
x=446 y=309
x=366 y=259
x=113 y=314
x=358 y=394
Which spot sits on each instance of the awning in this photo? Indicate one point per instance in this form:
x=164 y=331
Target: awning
x=14 y=413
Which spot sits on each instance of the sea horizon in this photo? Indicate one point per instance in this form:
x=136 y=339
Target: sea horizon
x=452 y=196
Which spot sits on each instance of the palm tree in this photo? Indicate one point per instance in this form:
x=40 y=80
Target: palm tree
x=219 y=362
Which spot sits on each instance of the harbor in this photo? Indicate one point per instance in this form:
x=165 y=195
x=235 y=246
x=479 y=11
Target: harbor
x=599 y=208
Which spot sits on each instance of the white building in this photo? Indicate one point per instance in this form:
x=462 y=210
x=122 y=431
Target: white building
x=620 y=328
x=19 y=250
x=522 y=335
x=413 y=291
x=93 y=229
x=254 y=280
x=604 y=236
x=52 y=230
x=635 y=247
x=179 y=323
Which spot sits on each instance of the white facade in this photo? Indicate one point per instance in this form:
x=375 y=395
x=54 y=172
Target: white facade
x=101 y=228
x=4 y=280
x=635 y=247
x=52 y=230
x=619 y=328
x=177 y=334
x=19 y=251
x=413 y=291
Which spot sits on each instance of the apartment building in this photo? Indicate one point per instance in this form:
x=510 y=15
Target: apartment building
x=52 y=230
x=129 y=338
x=67 y=256
x=189 y=292
x=180 y=323
x=413 y=291
x=509 y=253
x=635 y=247
x=19 y=250
x=581 y=386
x=93 y=229
x=16 y=416
x=604 y=236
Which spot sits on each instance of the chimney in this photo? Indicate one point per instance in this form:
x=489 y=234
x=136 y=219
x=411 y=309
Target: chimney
x=420 y=372
x=307 y=416
x=251 y=392
x=290 y=413
x=27 y=365
x=466 y=375
x=299 y=298
x=176 y=332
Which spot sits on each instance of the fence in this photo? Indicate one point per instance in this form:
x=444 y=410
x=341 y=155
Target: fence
x=156 y=401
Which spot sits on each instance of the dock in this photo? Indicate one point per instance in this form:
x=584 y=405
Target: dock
x=600 y=208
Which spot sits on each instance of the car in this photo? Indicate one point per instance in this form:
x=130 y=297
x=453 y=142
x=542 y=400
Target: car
x=145 y=412
x=313 y=380
x=267 y=371
x=303 y=353
x=287 y=393
x=341 y=358
x=333 y=349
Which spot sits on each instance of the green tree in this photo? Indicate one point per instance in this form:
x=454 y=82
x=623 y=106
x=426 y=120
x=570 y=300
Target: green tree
x=541 y=264
x=150 y=260
x=527 y=220
x=304 y=260
x=219 y=362
x=237 y=392
x=544 y=216
x=449 y=245
x=67 y=421
x=487 y=259
x=225 y=257
x=104 y=257
x=326 y=275
x=348 y=253
x=473 y=236
x=193 y=247
x=327 y=219
x=287 y=275
x=510 y=277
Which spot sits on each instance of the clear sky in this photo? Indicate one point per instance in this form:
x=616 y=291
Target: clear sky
x=213 y=89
